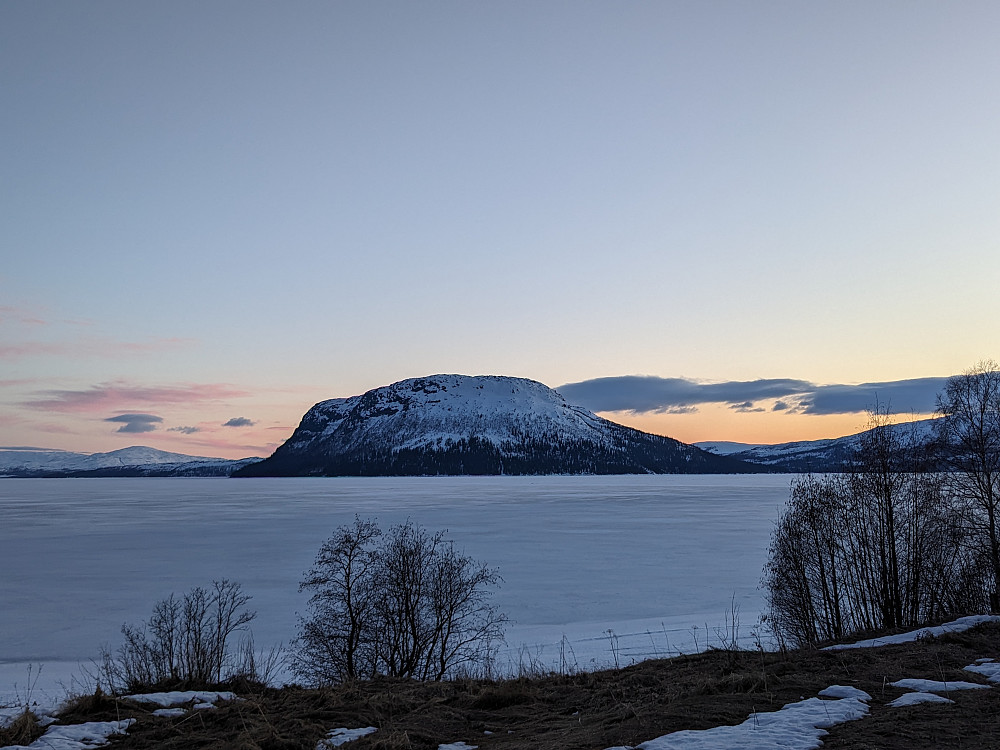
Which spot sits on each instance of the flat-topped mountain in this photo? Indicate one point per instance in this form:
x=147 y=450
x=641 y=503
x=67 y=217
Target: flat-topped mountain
x=461 y=424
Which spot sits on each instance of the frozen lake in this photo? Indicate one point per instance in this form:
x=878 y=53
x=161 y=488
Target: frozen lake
x=658 y=560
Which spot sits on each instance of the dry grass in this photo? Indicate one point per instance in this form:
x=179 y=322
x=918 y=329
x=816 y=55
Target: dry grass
x=24 y=730
x=599 y=710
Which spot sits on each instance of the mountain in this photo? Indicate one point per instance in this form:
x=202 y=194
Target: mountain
x=461 y=424
x=817 y=456
x=136 y=461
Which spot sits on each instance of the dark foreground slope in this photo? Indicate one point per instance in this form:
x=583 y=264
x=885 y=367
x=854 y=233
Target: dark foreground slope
x=601 y=709
x=484 y=425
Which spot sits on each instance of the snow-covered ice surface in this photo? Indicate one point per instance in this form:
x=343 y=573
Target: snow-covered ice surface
x=342 y=736
x=657 y=560
x=937 y=686
x=796 y=726
x=956 y=626
x=912 y=699
x=76 y=736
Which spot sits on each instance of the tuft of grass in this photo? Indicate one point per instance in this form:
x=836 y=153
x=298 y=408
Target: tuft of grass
x=391 y=741
x=24 y=730
x=503 y=695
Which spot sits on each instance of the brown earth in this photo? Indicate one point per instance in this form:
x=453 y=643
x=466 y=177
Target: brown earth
x=601 y=709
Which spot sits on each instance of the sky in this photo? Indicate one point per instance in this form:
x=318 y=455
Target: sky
x=711 y=220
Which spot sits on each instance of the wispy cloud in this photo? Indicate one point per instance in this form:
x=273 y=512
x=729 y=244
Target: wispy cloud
x=12 y=314
x=14 y=383
x=239 y=422
x=34 y=348
x=136 y=422
x=649 y=394
x=114 y=395
x=32 y=448
x=219 y=445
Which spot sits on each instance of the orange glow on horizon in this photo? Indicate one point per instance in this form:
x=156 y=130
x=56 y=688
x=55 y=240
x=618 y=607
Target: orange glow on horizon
x=718 y=422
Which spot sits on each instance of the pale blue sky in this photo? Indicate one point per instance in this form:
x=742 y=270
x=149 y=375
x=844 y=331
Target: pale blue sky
x=268 y=204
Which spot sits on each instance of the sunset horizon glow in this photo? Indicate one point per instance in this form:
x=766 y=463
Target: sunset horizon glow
x=709 y=220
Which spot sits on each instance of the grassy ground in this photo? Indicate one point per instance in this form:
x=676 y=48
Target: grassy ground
x=598 y=710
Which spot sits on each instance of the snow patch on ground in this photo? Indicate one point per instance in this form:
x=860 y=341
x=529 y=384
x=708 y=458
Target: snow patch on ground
x=77 y=736
x=844 y=691
x=957 y=626
x=937 y=686
x=342 y=736
x=987 y=668
x=457 y=746
x=204 y=698
x=912 y=699
x=169 y=713
x=796 y=726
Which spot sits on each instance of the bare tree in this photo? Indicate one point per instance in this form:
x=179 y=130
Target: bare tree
x=335 y=643
x=404 y=603
x=969 y=435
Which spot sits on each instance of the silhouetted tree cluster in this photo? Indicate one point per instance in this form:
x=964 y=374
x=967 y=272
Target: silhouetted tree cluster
x=404 y=603
x=969 y=446
x=895 y=542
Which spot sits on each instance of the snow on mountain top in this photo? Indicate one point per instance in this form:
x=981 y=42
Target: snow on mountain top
x=58 y=460
x=726 y=447
x=490 y=407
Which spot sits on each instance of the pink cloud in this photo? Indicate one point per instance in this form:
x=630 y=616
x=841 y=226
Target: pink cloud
x=89 y=347
x=118 y=396
x=217 y=445
x=14 y=383
x=19 y=315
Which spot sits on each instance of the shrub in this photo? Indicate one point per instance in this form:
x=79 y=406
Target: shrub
x=403 y=604
x=184 y=641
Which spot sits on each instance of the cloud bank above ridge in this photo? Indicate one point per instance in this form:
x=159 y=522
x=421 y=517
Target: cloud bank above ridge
x=642 y=394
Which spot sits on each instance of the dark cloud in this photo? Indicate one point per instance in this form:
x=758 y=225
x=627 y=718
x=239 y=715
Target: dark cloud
x=185 y=430
x=239 y=422
x=136 y=422
x=679 y=410
x=917 y=396
x=746 y=407
x=646 y=394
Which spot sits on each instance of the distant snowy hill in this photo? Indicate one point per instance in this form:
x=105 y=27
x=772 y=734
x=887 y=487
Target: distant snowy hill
x=726 y=447
x=461 y=424
x=813 y=455
x=136 y=461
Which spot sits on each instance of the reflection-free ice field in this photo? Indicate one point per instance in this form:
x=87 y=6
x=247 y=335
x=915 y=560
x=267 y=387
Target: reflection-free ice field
x=657 y=560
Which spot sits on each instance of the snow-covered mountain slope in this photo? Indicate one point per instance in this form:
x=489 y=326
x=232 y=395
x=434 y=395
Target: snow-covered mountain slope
x=136 y=460
x=726 y=447
x=823 y=455
x=462 y=424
